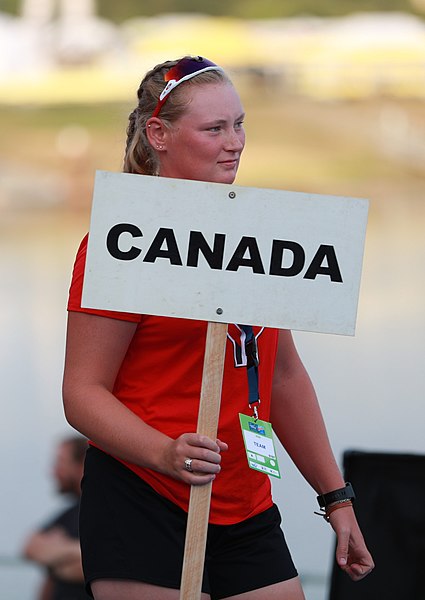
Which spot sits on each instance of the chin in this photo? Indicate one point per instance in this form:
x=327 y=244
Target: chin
x=230 y=179
x=225 y=178
x=215 y=177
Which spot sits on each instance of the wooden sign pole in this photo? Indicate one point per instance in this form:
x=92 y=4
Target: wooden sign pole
x=200 y=496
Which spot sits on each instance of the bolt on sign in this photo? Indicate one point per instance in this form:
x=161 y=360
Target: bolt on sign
x=225 y=253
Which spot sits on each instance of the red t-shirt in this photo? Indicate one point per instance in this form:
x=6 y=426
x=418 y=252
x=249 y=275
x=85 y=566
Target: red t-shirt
x=160 y=381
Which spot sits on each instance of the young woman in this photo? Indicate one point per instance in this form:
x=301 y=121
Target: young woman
x=132 y=385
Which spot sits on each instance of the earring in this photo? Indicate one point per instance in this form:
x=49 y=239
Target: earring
x=159 y=147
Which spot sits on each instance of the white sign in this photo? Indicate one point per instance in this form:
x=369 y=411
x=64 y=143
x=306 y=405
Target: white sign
x=226 y=253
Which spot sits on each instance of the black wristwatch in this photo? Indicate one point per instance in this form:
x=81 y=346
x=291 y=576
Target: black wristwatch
x=345 y=493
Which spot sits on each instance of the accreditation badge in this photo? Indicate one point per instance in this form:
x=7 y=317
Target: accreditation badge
x=259 y=445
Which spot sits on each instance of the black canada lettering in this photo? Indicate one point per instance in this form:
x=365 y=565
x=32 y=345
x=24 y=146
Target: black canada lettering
x=112 y=241
x=317 y=268
x=246 y=254
x=278 y=250
x=253 y=260
x=170 y=251
x=213 y=256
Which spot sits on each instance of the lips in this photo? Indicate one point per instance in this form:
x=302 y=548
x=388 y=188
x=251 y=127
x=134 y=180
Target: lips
x=229 y=163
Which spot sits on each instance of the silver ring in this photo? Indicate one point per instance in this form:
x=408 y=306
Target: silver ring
x=188 y=465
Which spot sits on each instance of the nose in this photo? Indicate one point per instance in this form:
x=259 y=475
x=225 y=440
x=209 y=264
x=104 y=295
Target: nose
x=235 y=141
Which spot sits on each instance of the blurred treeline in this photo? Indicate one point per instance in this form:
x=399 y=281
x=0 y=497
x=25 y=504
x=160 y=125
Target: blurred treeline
x=124 y=9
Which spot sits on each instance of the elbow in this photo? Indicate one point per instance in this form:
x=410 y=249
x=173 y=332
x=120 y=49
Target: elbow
x=67 y=403
x=72 y=416
x=79 y=400
x=70 y=405
x=69 y=415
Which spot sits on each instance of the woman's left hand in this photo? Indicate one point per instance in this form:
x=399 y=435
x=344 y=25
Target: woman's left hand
x=352 y=554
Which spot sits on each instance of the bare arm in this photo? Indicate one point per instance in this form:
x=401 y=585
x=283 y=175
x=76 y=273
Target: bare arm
x=57 y=551
x=70 y=570
x=95 y=349
x=298 y=423
x=297 y=419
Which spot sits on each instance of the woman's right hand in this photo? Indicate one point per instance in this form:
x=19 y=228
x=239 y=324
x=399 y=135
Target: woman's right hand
x=204 y=454
x=96 y=347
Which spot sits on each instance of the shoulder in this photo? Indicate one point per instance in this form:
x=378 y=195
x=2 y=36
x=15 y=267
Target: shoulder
x=76 y=289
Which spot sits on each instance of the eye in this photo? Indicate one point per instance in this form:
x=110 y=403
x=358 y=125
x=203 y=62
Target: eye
x=239 y=124
x=215 y=128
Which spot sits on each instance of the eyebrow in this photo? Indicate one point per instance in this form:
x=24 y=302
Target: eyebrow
x=223 y=121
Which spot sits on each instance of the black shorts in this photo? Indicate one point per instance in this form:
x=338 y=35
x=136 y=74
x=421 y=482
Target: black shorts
x=128 y=531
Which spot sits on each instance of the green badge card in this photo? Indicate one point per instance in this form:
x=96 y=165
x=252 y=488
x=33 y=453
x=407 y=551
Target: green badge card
x=259 y=445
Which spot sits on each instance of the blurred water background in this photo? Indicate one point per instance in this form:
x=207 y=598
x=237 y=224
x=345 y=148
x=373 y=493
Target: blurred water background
x=335 y=105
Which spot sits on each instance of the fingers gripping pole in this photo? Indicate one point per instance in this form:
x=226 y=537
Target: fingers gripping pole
x=200 y=496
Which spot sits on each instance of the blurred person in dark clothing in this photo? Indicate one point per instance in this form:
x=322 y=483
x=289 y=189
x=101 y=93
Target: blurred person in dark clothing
x=56 y=546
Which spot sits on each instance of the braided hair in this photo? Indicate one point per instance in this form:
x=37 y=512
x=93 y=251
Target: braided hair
x=140 y=157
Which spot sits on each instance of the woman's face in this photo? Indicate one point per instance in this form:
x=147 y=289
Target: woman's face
x=206 y=142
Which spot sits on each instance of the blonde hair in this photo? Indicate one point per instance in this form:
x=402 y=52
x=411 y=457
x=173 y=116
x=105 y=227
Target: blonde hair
x=140 y=157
